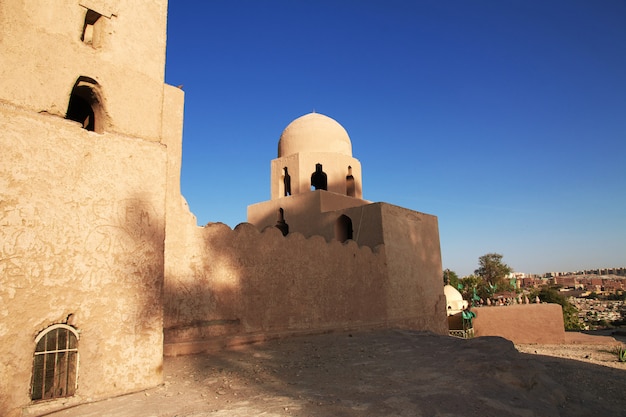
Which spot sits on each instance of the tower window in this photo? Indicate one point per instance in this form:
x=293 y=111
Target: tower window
x=55 y=364
x=350 y=185
x=319 y=180
x=287 y=183
x=92 y=28
x=84 y=106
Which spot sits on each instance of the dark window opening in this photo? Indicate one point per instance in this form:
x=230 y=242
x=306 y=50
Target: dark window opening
x=350 y=185
x=91 y=32
x=319 y=180
x=281 y=224
x=84 y=105
x=55 y=363
x=287 y=183
x=343 y=228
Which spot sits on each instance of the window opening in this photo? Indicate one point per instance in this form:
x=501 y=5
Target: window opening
x=343 y=228
x=281 y=224
x=319 y=180
x=287 y=182
x=84 y=106
x=350 y=185
x=55 y=363
x=91 y=28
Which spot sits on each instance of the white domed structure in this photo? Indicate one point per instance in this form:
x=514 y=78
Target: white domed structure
x=314 y=132
x=454 y=300
x=315 y=153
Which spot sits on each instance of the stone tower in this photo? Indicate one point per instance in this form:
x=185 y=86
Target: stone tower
x=88 y=132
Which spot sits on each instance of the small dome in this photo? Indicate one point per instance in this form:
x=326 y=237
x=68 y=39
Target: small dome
x=454 y=300
x=314 y=132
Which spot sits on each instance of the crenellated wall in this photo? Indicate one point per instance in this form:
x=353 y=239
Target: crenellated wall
x=241 y=282
x=226 y=286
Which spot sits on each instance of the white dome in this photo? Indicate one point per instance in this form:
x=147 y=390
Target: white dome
x=454 y=300
x=314 y=132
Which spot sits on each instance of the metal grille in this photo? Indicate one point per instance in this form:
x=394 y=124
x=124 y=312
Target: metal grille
x=55 y=365
x=464 y=334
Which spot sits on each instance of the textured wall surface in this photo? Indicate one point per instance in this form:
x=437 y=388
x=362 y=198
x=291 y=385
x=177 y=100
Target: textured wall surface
x=223 y=285
x=524 y=323
x=81 y=232
x=414 y=263
x=46 y=55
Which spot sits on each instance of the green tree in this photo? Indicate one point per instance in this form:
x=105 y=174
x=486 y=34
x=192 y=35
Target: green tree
x=570 y=312
x=470 y=288
x=493 y=273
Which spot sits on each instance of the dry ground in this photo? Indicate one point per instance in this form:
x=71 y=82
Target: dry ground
x=382 y=373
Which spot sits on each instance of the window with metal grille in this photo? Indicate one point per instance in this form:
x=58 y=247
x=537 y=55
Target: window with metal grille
x=55 y=365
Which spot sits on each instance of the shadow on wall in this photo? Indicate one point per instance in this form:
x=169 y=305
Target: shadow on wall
x=97 y=294
x=242 y=282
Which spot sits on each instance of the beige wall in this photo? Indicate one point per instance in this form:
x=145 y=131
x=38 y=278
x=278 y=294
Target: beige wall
x=302 y=165
x=43 y=56
x=524 y=323
x=414 y=262
x=311 y=213
x=242 y=282
x=82 y=214
x=226 y=285
x=82 y=225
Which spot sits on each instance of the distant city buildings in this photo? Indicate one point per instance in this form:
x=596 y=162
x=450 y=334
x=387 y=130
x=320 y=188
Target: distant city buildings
x=606 y=280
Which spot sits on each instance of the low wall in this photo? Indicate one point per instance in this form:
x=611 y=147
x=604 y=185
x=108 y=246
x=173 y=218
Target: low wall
x=226 y=287
x=523 y=323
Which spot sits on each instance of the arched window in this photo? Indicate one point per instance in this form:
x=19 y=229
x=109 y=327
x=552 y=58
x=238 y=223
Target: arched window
x=55 y=364
x=350 y=185
x=85 y=106
x=318 y=179
x=281 y=224
x=343 y=228
x=287 y=182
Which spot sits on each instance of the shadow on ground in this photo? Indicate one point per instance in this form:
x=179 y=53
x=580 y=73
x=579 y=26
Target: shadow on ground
x=381 y=373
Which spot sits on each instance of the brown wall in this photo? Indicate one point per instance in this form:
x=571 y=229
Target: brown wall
x=226 y=285
x=243 y=282
x=523 y=323
x=413 y=253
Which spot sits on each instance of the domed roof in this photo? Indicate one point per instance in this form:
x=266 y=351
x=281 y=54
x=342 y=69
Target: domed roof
x=454 y=300
x=451 y=293
x=314 y=132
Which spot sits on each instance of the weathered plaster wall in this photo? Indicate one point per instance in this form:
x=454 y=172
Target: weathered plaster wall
x=525 y=323
x=223 y=285
x=413 y=251
x=310 y=213
x=81 y=232
x=242 y=282
x=302 y=165
x=42 y=44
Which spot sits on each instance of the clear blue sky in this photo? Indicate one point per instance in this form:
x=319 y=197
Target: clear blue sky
x=505 y=119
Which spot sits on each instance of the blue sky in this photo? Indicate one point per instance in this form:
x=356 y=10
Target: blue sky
x=505 y=119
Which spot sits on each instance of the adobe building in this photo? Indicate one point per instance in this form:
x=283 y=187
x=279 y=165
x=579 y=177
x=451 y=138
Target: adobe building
x=84 y=133
x=103 y=269
x=315 y=257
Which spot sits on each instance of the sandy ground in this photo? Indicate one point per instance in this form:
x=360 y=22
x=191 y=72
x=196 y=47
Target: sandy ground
x=382 y=373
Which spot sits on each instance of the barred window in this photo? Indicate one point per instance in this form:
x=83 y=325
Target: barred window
x=55 y=364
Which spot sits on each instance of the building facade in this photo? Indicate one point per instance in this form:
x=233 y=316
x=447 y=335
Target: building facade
x=103 y=269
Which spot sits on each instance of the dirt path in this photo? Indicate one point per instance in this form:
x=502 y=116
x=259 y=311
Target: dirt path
x=382 y=373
